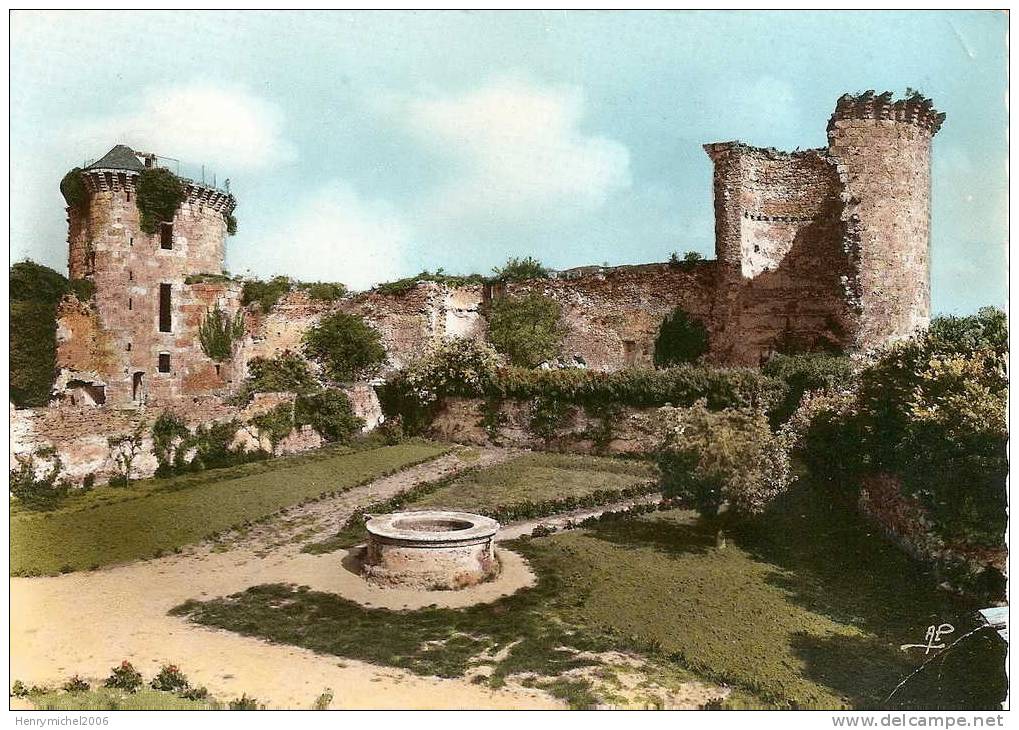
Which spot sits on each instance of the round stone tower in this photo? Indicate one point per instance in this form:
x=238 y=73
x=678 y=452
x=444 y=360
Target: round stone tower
x=148 y=296
x=882 y=152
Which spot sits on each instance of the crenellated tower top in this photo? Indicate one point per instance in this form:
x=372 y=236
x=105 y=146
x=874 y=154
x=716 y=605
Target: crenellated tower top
x=914 y=109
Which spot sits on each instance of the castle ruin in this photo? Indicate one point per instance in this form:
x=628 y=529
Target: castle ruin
x=816 y=250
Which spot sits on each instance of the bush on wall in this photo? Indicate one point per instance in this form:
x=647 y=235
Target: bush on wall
x=517 y=269
x=288 y=372
x=804 y=373
x=39 y=485
x=526 y=329
x=218 y=332
x=345 y=346
x=681 y=339
x=72 y=187
x=265 y=293
x=160 y=193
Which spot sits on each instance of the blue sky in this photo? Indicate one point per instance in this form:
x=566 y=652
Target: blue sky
x=368 y=146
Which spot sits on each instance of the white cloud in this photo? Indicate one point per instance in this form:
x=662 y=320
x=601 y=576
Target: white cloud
x=198 y=123
x=519 y=151
x=333 y=235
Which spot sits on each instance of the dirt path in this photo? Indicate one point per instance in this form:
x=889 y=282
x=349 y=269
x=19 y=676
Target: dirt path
x=86 y=623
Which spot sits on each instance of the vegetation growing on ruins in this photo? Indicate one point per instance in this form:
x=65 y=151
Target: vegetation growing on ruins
x=526 y=329
x=124 y=449
x=728 y=465
x=345 y=346
x=401 y=286
x=681 y=339
x=265 y=293
x=218 y=333
x=275 y=424
x=805 y=373
x=231 y=224
x=155 y=516
x=170 y=442
x=931 y=411
x=288 y=372
x=160 y=193
x=520 y=269
x=35 y=292
x=330 y=412
x=72 y=187
x=39 y=482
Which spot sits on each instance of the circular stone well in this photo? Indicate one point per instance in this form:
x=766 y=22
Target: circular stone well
x=433 y=549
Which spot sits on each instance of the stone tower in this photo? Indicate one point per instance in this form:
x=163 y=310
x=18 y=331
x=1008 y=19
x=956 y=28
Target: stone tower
x=882 y=151
x=150 y=295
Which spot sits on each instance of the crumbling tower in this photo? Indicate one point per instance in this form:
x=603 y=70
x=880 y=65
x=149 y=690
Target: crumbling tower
x=882 y=151
x=150 y=297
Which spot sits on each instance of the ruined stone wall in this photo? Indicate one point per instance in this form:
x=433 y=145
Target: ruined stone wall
x=612 y=315
x=79 y=433
x=882 y=149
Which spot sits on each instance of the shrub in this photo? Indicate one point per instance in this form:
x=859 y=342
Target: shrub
x=160 y=193
x=804 y=373
x=39 y=491
x=823 y=433
x=689 y=258
x=244 y=703
x=275 y=424
x=170 y=439
x=286 y=373
x=330 y=413
x=170 y=679
x=493 y=418
x=218 y=332
x=88 y=482
x=18 y=689
x=602 y=433
x=124 y=677
x=526 y=329
x=932 y=410
x=458 y=366
x=76 y=684
x=681 y=339
x=265 y=293
x=727 y=465
x=124 y=449
x=391 y=430
x=402 y=286
x=83 y=289
x=35 y=292
x=516 y=269
x=194 y=693
x=549 y=414
x=345 y=346
x=324 y=291
x=212 y=443
x=231 y=224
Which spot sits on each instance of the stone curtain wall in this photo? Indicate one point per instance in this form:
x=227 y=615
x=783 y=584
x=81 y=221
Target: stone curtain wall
x=79 y=433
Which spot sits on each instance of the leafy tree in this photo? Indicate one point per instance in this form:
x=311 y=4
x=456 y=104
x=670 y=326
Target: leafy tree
x=345 y=346
x=170 y=439
x=728 y=465
x=517 y=269
x=681 y=339
x=526 y=329
x=218 y=332
x=160 y=193
x=124 y=449
x=330 y=413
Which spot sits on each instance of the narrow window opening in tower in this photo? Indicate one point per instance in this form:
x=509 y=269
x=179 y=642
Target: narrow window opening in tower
x=129 y=347
x=130 y=275
x=130 y=241
x=137 y=392
x=217 y=370
x=164 y=307
x=129 y=196
x=130 y=304
x=164 y=362
x=166 y=236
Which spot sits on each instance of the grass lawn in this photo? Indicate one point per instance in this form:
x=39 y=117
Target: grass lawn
x=529 y=485
x=112 y=699
x=158 y=516
x=536 y=477
x=805 y=607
